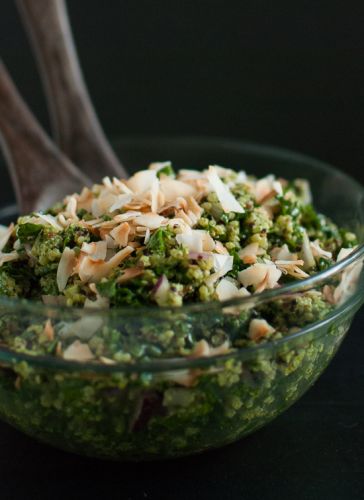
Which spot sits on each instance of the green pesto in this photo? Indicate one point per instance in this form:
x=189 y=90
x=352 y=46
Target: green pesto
x=146 y=415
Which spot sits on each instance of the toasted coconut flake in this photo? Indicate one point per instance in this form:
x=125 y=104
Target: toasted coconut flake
x=95 y=250
x=190 y=174
x=260 y=276
x=282 y=253
x=65 y=268
x=328 y=293
x=161 y=291
x=292 y=268
x=120 y=201
x=108 y=203
x=196 y=241
x=48 y=219
x=121 y=234
x=222 y=265
x=227 y=290
x=110 y=242
x=107 y=361
x=84 y=200
x=63 y=221
x=154 y=195
x=71 y=208
x=204 y=350
x=225 y=197
x=267 y=188
x=179 y=224
x=147 y=236
x=172 y=189
x=141 y=182
x=129 y=273
x=78 y=352
x=107 y=182
x=121 y=186
x=151 y=221
x=84 y=328
x=250 y=253
x=91 y=270
x=99 y=303
x=344 y=252
x=181 y=214
x=48 y=330
x=220 y=248
x=194 y=207
x=260 y=328
x=5 y=233
x=8 y=257
x=349 y=279
x=186 y=378
x=319 y=252
x=307 y=254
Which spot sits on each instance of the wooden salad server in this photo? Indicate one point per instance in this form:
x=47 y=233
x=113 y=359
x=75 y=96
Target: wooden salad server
x=77 y=130
x=41 y=174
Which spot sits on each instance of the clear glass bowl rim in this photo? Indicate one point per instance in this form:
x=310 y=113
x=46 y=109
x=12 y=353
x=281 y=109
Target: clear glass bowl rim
x=158 y=365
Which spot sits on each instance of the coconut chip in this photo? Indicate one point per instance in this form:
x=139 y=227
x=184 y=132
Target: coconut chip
x=173 y=189
x=344 y=252
x=129 y=273
x=95 y=250
x=141 y=182
x=203 y=350
x=78 y=352
x=291 y=267
x=260 y=328
x=250 y=253
x=161 y=291
x=121 y=234
x=71 y=208
x=8 y=257
x=260 y=276
x=65 y=268
x=48 y=330
x=222 y=265
x=46 y=219
x=151 y=221
x=120 y=201
x=99 y=303
x=223 y=193
x=319 y=252
x=307 y=255
x=282 y=253
x=94 y=270
x=267 y=188
x=227 y=290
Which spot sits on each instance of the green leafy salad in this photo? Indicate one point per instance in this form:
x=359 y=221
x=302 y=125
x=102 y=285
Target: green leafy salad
x=165 y=239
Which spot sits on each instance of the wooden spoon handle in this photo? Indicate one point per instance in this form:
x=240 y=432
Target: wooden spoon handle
x=41 y=174
x=75 y=124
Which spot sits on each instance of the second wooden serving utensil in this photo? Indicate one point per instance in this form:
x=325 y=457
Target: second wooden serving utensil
x=77 y=129
x=41 y=174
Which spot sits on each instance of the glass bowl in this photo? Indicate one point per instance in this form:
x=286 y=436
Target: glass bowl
x=164 y=408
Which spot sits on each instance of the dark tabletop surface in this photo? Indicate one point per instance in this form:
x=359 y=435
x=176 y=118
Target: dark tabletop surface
x=280 y=74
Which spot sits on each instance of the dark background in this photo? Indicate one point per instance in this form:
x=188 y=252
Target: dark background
x=278 y=72
x=284 y=73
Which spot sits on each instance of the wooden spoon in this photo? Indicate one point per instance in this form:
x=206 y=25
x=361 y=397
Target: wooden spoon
x=77 y=129
x=41 y=174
